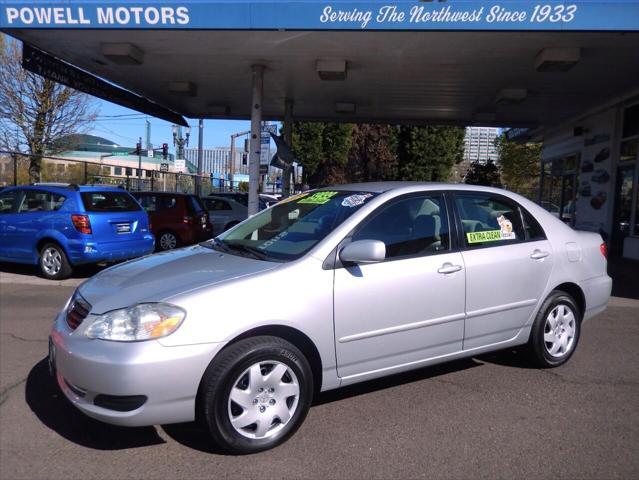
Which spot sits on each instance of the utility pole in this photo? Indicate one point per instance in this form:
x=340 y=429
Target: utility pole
x=139 y=149
x=288 y=138
x=231 y=160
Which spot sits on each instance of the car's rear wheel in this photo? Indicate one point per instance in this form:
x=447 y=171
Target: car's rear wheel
x=54 y=263
x=256 y=394
x=167 y=241
x=555 y=332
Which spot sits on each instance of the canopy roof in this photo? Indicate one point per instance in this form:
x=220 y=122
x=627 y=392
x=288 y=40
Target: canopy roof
x=197 y=61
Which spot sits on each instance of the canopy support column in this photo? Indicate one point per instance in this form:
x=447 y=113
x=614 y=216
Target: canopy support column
x=288 y=138
x=256 y=128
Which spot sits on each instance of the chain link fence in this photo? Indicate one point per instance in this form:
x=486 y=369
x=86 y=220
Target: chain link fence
x=14 y=170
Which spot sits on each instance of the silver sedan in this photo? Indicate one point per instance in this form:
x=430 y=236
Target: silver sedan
x=325 y=289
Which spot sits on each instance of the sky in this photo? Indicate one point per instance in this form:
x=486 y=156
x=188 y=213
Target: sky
x=124 y=126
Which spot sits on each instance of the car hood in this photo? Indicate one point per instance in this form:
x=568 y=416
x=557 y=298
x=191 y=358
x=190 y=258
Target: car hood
x=157 y=277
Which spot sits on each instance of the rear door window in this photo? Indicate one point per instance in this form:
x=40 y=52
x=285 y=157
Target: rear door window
x=489 y=220
x=109 y=202
x=148 y=202
x=39 y=201
x=8 y=201
x=167 y=202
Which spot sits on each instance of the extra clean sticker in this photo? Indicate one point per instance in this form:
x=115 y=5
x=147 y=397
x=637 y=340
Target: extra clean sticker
x=355 y=200
x=318 y=198
x=294 y=198
x=481 y=237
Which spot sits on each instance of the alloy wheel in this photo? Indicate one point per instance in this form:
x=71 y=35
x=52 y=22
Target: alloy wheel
x=51 y=261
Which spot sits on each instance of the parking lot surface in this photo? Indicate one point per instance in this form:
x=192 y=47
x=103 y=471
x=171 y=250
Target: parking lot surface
x=490 y=416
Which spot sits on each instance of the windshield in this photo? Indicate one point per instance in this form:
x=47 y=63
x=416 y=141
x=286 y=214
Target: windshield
x=292 y=227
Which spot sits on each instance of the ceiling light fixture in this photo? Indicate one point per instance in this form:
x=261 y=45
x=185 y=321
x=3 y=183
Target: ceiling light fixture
x=511 y=96
x=331 y=70
x=557 y=59
x=123 y=53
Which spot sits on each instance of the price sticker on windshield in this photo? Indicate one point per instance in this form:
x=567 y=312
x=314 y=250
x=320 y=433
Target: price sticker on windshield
x=318 y=198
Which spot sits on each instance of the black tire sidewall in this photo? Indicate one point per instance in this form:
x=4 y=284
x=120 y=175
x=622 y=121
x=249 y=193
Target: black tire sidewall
x=542 y=356
x=264 y=349
x=65 y=268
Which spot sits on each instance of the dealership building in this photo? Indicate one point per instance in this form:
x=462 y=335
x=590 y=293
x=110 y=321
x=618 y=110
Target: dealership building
x=562 y=73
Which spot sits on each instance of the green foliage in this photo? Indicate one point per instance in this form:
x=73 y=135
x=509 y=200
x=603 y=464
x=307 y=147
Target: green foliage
x=322 y=149
x=243 y=187
x=373 y=153
x=520 y=165
x=483 y=174
x=428 y=153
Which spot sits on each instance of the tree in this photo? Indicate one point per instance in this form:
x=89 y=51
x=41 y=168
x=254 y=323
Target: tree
x=373 y=153
x=486 y=174
x=322 y=149
x=36 y=112
x=520 y=165
x=428 y=153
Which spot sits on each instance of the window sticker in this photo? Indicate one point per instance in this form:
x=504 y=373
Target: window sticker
x=481 y=237
x=318 y=198
x=293 y=198
x=273 y=240
x=356 y=200
x=506 y=228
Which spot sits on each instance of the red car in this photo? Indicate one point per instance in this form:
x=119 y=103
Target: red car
x=176 y=218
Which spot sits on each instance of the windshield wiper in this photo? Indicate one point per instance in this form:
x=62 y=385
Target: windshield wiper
x=253 y=252
x=215 y=244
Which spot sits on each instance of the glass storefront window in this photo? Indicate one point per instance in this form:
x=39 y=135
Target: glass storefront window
x=628 y=151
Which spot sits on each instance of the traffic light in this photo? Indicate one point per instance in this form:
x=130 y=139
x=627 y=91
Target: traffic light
x=165 y=151
x=138 y=148
x=244 y=158
x=246 y=145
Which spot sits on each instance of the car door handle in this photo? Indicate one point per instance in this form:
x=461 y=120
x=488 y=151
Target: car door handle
x=538 y=255
x=447 y=268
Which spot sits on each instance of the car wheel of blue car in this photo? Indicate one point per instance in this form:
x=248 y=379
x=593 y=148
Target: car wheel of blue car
x=167 y=241
x=54 y=264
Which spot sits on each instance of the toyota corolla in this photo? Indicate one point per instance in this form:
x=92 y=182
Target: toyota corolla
x=326 y=289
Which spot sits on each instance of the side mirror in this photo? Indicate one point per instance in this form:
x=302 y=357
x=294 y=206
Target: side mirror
x=363 y=251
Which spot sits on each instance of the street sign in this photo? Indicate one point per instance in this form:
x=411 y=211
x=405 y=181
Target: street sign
x=149 y=153
x=265 y=143
x=164 y=167
x=180 y=165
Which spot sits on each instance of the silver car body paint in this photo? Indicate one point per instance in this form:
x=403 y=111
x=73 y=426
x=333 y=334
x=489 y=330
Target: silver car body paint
x=382 y=319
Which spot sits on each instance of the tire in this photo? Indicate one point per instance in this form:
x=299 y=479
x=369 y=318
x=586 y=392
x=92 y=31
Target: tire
x=552 y=344
x=53 y=262
x=243 y=369
x=167 y=240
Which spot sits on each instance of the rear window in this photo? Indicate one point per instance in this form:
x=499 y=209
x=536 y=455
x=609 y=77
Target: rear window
x=109 y=202
x=195 y=205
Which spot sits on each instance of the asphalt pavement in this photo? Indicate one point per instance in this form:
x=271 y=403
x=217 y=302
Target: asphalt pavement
x=486 y=417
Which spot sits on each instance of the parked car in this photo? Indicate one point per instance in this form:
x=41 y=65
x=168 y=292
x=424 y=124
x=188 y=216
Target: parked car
x=242 y=198
x=176 y=218
x=58 y=227
x=224 y=213
x=336 y=286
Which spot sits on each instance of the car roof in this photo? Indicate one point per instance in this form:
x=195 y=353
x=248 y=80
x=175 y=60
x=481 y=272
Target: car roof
x=224 y=198
x=173 y=194
x=66 y=188
x=382 y=187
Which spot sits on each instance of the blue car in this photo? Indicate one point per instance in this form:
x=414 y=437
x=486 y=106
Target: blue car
x=58 y=226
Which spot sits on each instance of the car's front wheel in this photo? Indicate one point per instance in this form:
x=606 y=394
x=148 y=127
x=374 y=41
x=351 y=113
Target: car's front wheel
x=256 y=394
x=54 y=263
x=555 y=332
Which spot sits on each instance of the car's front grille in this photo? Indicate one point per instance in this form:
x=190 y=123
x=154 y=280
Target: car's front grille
x=77 y=311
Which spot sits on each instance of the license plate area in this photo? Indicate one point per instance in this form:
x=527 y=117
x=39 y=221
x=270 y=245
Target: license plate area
x=123 y=228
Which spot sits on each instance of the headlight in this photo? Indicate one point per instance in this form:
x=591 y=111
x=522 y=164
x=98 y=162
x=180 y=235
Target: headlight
x=144 y=321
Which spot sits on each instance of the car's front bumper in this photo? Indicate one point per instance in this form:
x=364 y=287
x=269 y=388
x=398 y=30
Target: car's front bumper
x=168 y=377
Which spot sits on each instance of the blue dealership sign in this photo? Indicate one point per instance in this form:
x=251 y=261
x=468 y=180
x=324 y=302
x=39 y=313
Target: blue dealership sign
x=469 y=15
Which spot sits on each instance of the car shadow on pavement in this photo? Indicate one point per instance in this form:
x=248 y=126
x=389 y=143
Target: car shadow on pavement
x=52 y=408
x=194 y=436
x=514 y=358
x=80 y=271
